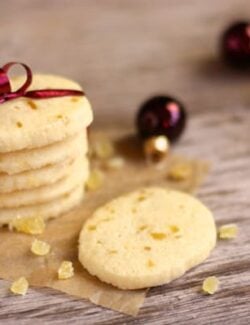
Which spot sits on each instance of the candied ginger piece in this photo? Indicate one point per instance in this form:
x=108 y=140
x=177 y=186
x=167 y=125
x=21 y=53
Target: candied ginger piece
x=40 y=247
x=115 y=162
x=103 y=148
x=210 y=285
x=158 y=235
x=20 y=286
x=180 y=171
x=28 y=225
x=228 y=231
x=66 y=270
x=95 y=180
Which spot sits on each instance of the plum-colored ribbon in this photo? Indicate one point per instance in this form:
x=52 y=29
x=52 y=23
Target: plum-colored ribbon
x=7 y=94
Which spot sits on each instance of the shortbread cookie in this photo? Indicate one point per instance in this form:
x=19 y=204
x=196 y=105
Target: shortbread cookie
x=27 y=124
x=39 y=177
x=48 y=192
x=35 y=178
x=146 y=238
x=46 y=210
x=25 y=160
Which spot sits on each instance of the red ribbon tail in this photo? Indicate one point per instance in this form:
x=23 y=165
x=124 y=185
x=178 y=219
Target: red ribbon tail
x=51 y=93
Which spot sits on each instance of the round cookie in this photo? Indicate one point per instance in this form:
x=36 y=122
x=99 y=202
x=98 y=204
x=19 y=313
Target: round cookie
x=48 y=192
x=146 y=238
x=46 y=210
x=25 y=160
x=27 y=124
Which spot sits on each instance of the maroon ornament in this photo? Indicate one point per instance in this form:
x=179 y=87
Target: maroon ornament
x=236 y=44
x=161 y=115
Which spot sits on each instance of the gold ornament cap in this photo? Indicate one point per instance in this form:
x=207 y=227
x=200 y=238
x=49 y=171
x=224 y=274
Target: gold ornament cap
x=156 y=148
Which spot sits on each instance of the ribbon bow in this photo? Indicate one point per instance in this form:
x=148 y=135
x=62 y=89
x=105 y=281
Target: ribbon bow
x=7 y=94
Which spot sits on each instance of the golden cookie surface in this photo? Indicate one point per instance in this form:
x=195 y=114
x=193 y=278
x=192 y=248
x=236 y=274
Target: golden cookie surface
x=146 y=238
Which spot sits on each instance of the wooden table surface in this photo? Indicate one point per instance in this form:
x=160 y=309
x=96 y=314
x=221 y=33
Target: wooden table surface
x=123 y=52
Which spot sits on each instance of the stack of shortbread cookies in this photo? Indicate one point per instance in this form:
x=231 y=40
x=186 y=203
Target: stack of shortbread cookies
x=43 y=151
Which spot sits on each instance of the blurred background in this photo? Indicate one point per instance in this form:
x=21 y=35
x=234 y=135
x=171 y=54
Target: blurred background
x=123 y=51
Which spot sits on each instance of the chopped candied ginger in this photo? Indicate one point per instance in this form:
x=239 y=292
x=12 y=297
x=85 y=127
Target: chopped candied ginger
x=228 y=231
x=115 y=163
x=210 y=285
x=66 y=270
x=95 y=180
x=174 y=229
x=20 y=286
x=102 y=148
x=180 y=171
x=150 y=263
x=40 y=247
x=28 y=225
x=158 y=235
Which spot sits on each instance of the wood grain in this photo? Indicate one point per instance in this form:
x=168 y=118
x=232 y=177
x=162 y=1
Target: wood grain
x=122 y=52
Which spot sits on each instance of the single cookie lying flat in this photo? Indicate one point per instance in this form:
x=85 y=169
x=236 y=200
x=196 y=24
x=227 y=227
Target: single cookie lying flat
x=146 y=238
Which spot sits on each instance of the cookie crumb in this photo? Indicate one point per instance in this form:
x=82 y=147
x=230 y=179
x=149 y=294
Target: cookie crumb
x=28 y=225
x=180 y=171
x=20 y=286
x=66 y=270
x=95 y=180
x=210 y=285
x=228 y=231
x=40 y=247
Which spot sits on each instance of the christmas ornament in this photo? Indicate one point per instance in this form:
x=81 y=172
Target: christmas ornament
x=236 y=44
x=160 y=121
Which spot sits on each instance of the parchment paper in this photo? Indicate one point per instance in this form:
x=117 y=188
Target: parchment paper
x=62 y=233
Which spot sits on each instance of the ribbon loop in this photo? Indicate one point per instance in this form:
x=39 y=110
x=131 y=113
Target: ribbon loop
x=28 y=80
x=6 y=92
x=4 y=83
